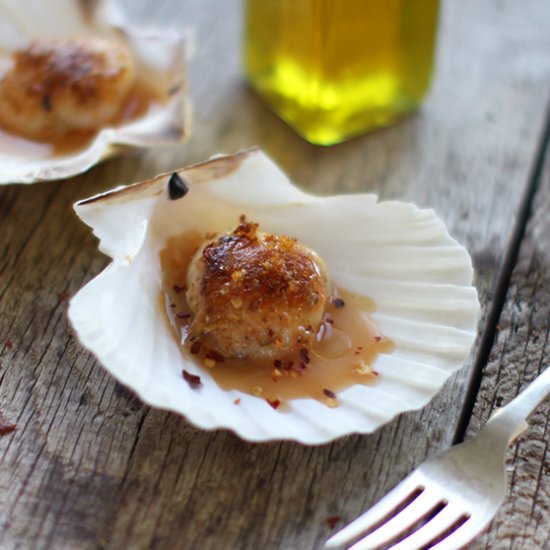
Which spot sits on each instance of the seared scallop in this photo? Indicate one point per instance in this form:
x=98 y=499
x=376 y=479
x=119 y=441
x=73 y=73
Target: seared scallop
x=55 y=86
x=256 y=295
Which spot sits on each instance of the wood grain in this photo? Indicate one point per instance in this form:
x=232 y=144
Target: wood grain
x=90 y=466
x=520 y=352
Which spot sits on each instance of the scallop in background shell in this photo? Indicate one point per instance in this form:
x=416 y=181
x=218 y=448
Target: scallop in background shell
x=397 y=254
x=159 y=57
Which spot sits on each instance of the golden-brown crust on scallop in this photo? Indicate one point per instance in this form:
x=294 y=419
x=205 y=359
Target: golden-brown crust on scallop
x=276 y=273
x=255 y=294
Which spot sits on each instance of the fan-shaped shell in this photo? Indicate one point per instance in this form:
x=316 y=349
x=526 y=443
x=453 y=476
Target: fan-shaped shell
x=397 y=254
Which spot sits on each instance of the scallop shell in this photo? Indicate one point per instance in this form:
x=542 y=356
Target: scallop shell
x=397 y=254
x=159 y=56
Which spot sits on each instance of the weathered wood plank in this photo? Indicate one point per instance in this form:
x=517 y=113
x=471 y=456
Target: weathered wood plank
x=89 y=466
x=520 y=352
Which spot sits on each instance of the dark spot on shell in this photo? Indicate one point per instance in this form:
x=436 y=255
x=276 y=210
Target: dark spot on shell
x=177 y=188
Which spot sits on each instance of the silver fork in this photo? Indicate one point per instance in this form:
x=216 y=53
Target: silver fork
x=452 y=497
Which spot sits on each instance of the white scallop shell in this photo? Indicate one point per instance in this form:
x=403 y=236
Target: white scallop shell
x=401 y=256
x=160 y=58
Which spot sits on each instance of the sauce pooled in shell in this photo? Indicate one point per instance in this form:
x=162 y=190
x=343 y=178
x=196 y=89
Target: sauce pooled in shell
x=259 y=313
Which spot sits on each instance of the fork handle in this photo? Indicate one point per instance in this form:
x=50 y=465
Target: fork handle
x=510 y=420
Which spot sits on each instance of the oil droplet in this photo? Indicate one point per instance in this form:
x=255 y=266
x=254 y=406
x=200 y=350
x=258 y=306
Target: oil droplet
x=331 y=342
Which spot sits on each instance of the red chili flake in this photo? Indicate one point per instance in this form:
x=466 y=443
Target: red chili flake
x=287 y=365
x=332 y=521
x=329 y=393
x=216 y=356
x=6 y=429
x=304 y=355
x=374 y=372
x=195 y=347
x=338 y=303
x=183 y=315
x=8 y=344
x=237 y=401
x=177 y=289
x=378 y=338
x=329 y=321
x=172 y=305
x=277 y=364
x=192 y=379
x=274 y=403
x=270 y=332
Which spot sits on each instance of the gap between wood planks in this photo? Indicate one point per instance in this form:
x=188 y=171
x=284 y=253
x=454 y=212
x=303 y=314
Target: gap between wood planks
x=502 y=282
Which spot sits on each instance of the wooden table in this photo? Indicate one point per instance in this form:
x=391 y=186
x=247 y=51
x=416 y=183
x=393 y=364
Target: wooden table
x=89 y=466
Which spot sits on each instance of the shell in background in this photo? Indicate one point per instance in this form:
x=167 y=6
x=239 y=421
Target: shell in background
x=160 y=58
x=395 y=253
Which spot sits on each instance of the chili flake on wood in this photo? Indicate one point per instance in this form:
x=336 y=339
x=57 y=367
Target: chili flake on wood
x=6 y=429
x=332 y=521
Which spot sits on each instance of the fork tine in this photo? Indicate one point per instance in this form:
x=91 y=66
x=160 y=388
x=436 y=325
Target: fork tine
x=431 y=529
x=377 y=513
x=462 y=535
x=402 y=521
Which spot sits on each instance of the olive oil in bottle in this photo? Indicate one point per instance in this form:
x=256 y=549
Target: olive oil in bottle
x=337 y=68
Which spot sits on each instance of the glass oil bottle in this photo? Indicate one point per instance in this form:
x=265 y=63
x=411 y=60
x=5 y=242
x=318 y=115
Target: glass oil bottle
x=337 y=68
